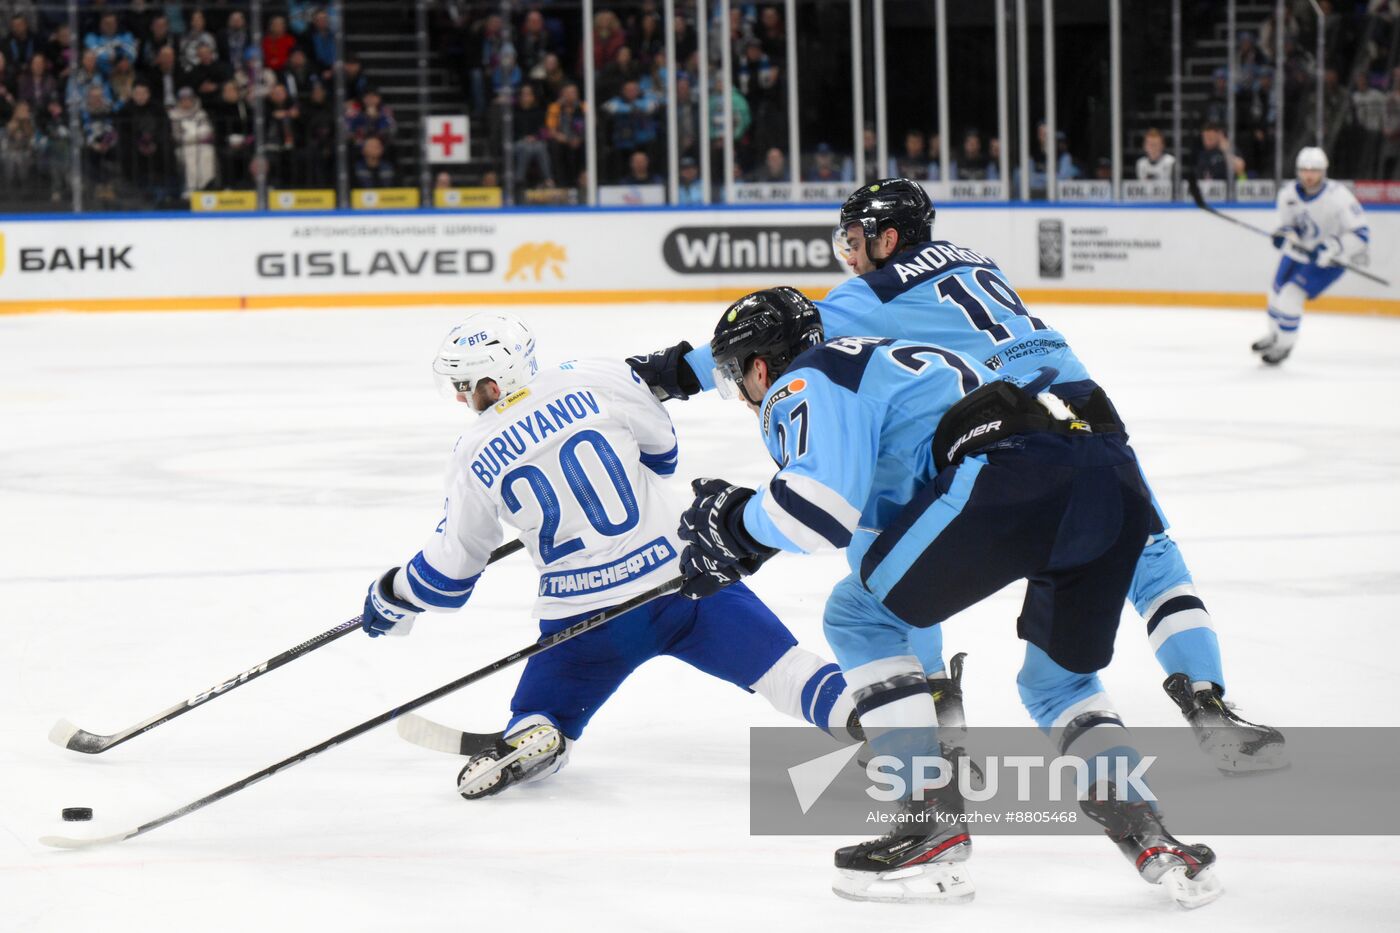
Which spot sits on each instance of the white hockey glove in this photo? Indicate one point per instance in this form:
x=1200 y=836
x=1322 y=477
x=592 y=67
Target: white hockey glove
x=1286 y=241
x=1329 y=253
x=385 y=613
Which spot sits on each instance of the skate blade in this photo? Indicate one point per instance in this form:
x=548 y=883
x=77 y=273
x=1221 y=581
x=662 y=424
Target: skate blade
x=1190 y=893
x=919 y=884
x=541 y=741
x=1231 y=760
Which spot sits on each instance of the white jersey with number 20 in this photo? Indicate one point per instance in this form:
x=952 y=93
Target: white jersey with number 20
x=573 y=460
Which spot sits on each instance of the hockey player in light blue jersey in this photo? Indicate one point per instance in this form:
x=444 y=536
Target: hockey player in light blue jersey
x=943 y=482
x=574 y=457
x=1319 y=224
x=910 y=287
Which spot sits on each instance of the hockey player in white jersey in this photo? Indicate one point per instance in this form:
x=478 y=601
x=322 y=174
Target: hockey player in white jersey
x=574 y=457
x=1319 y=225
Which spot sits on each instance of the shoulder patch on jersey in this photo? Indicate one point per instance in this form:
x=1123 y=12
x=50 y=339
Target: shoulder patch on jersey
x=842 y=360
x=786 y=391
x=512 y=398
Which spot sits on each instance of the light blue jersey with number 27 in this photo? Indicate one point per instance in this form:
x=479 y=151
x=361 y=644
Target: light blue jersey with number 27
x=852 y=424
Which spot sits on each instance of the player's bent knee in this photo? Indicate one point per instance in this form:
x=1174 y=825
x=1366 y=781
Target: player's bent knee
x=1049 y=690
x=1160 y=570
x=1288 y=301
x=859 y=628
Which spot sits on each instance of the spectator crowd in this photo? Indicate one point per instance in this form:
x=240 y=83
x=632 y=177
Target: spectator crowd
x=154 y=102
x=149 y=102
x=1360 y=97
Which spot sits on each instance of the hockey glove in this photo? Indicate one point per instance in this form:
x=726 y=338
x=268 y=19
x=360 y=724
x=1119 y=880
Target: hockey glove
x=666 y=372
x=720 y=550
x=1328 y=252
x=385 y=613
x=1286 y=241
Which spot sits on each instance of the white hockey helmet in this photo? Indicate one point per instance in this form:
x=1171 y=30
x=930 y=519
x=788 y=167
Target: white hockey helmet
x=499 y=347
x=1311 y=157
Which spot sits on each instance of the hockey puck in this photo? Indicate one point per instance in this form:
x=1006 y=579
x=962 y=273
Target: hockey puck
x=72 y=814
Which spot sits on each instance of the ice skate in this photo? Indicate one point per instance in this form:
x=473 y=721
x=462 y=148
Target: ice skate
x=1235 y=745
x=948 y=695
x=1185 y=871
x=1274 y=348
x=534 y=750
x=919 y=867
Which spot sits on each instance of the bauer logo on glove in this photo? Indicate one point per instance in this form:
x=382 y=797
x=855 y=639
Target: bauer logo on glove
x=721 y=551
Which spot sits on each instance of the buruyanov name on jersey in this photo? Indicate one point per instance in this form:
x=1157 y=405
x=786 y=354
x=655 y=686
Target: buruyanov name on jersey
x=512 y=443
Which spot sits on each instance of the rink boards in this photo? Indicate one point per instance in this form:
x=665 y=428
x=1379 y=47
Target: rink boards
x=1053 y=253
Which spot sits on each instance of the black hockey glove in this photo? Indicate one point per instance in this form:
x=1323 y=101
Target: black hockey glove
x=720 y=551
x=666 y=372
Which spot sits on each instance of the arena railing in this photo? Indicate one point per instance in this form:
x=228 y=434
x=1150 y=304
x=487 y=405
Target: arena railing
x=795 y=101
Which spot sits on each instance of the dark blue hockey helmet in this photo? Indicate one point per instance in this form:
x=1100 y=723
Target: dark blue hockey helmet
x=900 y=204
x=776 y=324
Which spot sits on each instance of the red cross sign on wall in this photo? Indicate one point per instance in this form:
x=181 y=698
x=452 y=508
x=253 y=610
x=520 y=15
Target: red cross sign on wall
x=448 y=139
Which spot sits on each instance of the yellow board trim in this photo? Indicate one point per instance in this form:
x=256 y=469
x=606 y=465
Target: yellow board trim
x=1388 y=307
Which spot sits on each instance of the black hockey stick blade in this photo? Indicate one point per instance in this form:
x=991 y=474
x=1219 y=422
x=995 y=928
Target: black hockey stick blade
x=1194 y=187
x=68 y=735
x=543 y=644
x=425 y=733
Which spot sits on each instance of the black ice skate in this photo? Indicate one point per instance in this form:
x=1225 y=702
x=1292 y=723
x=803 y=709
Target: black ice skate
x=1235 y=745
x=1265 y=342
x=1186 y=871
x=1275 y=355
x=948 y=695
x=530 y=752
x=925 y=865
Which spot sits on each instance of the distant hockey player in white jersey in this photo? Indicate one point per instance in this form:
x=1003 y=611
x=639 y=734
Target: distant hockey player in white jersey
x=1319 y=225
x=574 y=457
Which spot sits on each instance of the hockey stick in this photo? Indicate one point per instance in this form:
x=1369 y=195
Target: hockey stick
x=1195 y=188
x=425 y=733
x=69 y=736
x=544 y=644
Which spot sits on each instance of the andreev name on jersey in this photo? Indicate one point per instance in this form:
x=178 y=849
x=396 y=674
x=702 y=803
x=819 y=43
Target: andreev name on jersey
x=935 y=256
x=512 y=443
x=642 y=561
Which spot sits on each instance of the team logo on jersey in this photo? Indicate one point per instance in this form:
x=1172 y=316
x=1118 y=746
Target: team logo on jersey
x=787 y=391
x=536 y=259
x=512 y=398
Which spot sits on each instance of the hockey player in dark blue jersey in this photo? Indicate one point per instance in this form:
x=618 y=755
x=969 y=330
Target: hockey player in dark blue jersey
x=910 y=287
x=943 y=482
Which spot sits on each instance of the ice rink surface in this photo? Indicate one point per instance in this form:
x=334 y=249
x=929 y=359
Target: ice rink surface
x=185 y=495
